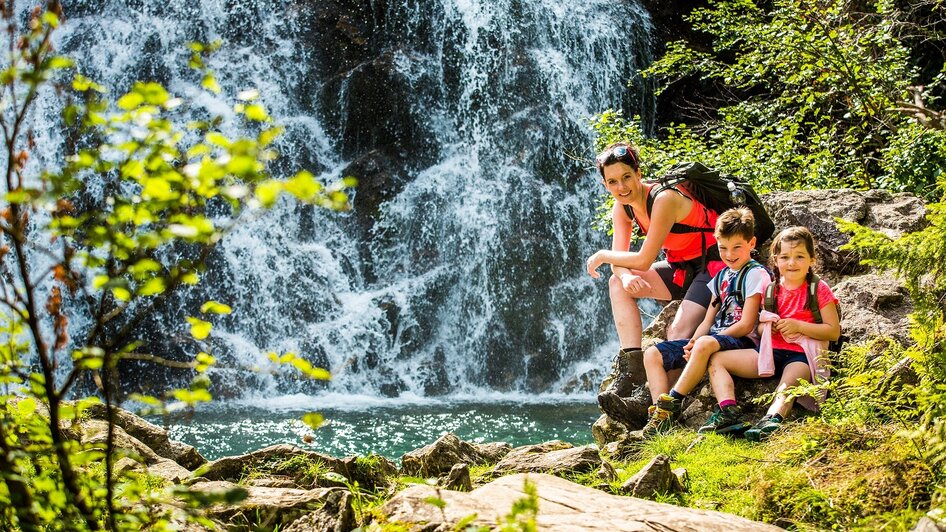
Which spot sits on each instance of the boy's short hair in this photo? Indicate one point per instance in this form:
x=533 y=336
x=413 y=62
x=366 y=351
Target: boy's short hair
x=738 y=221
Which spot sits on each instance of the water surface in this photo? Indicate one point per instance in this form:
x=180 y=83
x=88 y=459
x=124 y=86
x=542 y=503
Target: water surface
x=360 y=425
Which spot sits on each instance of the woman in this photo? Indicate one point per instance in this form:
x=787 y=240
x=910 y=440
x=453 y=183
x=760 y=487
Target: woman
x=691 y=261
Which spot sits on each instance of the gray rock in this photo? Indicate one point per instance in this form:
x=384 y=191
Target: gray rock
x=563 y=506
x=266 y=508
x=439 y=457
x=555 y=458
x=492 y=452
x=874 y=305
x=151 y=435
x=933 y=521
x=95 y=432
x=654 y=478
x=169 y=470
x=232 y=468
x=605 y=430
x=458 y=479
x=336 y=515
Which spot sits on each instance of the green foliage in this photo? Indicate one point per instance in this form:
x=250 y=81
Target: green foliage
x=62 y=254
x=812 y=96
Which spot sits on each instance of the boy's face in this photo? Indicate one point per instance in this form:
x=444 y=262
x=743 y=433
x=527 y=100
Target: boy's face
x=735 y=250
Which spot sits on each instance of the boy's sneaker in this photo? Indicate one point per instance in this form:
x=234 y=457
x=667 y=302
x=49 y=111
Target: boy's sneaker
x=662 y=416
x=727 y=420
x=763 y=429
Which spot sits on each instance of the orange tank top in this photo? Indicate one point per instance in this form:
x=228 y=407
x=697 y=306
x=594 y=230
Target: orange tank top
x=679 y=247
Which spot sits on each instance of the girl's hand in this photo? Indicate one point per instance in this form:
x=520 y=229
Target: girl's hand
x=788 y=328
x=633 y=283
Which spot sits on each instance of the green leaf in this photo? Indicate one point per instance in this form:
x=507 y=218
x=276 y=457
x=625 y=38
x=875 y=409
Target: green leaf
x=256 y=112
x=152 y=287
x=51 y=19
x=26 y=406
x=313 y=420
x=267 y=192
x=436 y=501
x=130 y=101
x=210 y=83
x=59 y=62
x=200 y=329
x=215 y=308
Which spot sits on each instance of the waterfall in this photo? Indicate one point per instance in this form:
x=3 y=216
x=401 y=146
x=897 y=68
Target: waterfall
x=460 y=268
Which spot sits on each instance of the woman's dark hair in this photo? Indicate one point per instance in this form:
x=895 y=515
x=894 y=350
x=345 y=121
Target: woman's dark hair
x=621 y=151
x=796 y=234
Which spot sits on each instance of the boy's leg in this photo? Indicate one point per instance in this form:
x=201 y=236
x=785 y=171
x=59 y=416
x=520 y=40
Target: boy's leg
x=724 y=364
x=657 y=378
x=727 y=418
x=693 y=372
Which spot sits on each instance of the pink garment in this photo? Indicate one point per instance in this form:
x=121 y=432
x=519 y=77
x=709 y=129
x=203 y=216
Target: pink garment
x=766 y=359
x=814 y=350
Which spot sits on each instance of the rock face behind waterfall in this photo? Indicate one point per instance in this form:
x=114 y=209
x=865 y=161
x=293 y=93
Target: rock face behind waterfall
x=872 y=303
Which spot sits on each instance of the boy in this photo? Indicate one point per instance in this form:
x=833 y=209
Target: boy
x=730 y=323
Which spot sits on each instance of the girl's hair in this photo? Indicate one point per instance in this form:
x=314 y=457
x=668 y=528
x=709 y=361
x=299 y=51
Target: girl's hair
x=629 y=156
x=795 y=234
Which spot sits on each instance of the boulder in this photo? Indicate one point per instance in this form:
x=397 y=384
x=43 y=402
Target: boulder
x=605 y=430
x=371 y=472
x=336 y=515
x=556 y=458
x=169 y=470
x=563 y=506
x=492 y=452
x=151 y=435
x=439 y=457
x=268 y=508
x=95 y=431
x=873 y=305
x=458 y=479
x=653 y=479
x=233 y=468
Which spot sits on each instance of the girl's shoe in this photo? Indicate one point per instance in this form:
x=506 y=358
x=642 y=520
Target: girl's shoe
x=727 y=420
x=763 y=428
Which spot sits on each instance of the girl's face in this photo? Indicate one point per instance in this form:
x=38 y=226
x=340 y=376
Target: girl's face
x=622 y=182
x=794 y=262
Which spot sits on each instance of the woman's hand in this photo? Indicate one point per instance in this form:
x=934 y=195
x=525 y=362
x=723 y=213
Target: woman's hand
x=593 y=262
x=633 y=283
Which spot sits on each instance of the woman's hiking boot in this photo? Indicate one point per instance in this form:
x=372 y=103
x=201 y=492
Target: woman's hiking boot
x=763 y=428
x=625 y=398
x=725 y=420
x=662 y=416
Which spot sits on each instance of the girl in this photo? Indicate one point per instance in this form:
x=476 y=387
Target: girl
x=793 y=329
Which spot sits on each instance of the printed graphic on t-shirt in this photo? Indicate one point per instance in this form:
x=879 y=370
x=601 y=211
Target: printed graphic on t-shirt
x=730 y=311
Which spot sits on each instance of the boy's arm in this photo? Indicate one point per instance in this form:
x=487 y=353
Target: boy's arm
x=707 y=322
x=750 y=316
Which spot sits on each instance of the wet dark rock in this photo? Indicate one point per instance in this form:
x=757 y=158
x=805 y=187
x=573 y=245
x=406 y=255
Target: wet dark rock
x=458 y=479
x=653 y=479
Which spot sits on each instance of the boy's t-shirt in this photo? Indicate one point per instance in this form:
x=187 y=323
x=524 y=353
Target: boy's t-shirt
x=729 y=311
x=793 y=304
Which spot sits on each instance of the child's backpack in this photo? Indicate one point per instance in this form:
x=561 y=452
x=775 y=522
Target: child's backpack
x=770 y=304
x=715 y=191
x=739 y=283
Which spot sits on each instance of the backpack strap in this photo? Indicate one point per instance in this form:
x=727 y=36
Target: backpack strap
x=812 y=298
x=768 y=300
x=718 y=286
x=740 y=281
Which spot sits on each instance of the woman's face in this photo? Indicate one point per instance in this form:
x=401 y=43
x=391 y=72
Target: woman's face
x=622 y=181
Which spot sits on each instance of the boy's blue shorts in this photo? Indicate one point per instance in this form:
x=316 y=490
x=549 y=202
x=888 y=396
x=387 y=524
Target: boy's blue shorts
x=672 y=350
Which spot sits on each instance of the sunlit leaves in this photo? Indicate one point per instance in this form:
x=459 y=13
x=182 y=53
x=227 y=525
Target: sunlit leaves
x=300 y=364
x=313 y=420
x=200 y=329
x=214 y=307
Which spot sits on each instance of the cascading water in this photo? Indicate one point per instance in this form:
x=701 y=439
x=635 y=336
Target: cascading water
x=460 y=268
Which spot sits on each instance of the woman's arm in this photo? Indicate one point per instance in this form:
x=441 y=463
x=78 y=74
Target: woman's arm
x=665 y=213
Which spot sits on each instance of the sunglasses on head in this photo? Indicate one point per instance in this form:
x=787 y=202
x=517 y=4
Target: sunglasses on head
x=620 y=153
